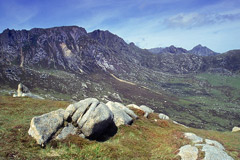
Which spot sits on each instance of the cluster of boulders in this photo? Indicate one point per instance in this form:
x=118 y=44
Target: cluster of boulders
x=212 y=149
x=23 y=91
x=88 y=118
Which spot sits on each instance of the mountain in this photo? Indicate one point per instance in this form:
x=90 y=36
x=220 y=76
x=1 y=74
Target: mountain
x=68 y=63
x=171 y=49
x=202 y=51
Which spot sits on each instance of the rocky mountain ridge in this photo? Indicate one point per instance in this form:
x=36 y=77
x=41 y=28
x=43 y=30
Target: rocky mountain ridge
x=197 y=50
x=71 y=48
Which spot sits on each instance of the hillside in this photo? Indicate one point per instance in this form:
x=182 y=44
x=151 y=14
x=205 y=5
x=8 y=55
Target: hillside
x=67 y=63
x=144 y=139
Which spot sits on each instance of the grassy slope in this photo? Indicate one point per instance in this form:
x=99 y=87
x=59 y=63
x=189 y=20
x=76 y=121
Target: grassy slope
x=212 y=99
x=145 y=139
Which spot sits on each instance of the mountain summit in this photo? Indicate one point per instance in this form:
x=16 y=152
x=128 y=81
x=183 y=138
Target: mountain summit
x=202 y=51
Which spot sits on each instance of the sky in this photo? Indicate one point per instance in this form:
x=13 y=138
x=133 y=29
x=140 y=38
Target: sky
x=147 y=23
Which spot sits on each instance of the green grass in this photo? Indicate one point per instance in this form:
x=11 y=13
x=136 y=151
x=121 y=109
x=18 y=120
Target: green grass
x=144 y=139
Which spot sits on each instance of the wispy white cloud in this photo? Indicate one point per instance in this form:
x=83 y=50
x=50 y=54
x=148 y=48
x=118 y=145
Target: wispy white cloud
x=18 y=12
x=190 y=20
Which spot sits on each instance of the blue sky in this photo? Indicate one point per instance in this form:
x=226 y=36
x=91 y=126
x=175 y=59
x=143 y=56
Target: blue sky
x=147 y=23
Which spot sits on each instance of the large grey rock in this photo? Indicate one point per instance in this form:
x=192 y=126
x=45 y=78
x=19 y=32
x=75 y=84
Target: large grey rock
x=163 y=116
x=69 y=129
x=215 y=153
x=82 y=107
x=97 y=119
x=193 y=137
x=214 y=143
x=43 y=127
x=188 y=152
x=120 y=116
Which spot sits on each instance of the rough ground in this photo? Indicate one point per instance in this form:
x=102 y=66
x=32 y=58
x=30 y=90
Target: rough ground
x=145 y=139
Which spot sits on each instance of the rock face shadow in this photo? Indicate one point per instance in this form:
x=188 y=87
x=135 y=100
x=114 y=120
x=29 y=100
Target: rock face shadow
x=109 y=132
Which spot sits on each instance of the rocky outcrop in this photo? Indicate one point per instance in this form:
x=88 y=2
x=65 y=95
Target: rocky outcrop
x=122 y=115
x=212 y=149
x=23 y=91
x=87 y=118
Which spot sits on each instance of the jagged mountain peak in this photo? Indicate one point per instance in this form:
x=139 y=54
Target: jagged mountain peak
x=202 y=51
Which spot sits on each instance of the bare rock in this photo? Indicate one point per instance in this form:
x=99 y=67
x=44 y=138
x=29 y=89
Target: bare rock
x=146 y=109
x=214 y=143
x=236 y=129
x=134 y=106
x=68 y=130
x=43 y=127
x=215 y=153
x=193 y=137
x=81 y=108
x=120 y=116
x=163 y=116
x=188 y=152
x=96 y=121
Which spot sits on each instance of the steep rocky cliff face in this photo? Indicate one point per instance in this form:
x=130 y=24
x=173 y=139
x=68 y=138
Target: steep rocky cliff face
x=73 y=49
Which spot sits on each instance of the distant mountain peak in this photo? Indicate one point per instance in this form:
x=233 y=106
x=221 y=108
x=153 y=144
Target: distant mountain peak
x=202 y=51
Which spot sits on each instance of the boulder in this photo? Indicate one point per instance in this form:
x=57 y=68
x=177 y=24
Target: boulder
x=146 y=109
x=163 y=116
x=134 y=106
x=69 y=129
x=96 y=121
x=22 y=89
x=43 y=127
x=80 y=108
x=236 y=129
x=214 y=153
x=120 y=116
x=193 y=137
x=188 y=152
x=214 y=143
x=125 y=109
x=143 y=108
